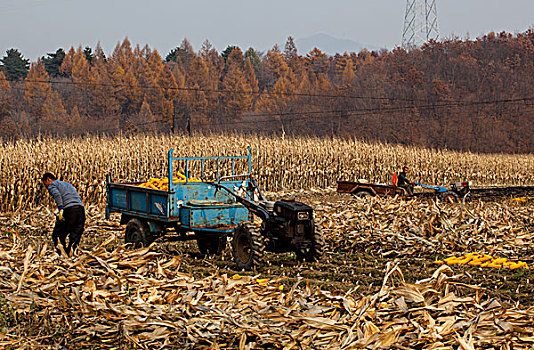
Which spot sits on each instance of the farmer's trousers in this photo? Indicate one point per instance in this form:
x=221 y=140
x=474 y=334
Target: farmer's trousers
x=72 y=225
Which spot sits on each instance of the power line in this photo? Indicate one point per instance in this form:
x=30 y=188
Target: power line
x=295 y=94
x=301 y=116
x=434 y=105
x=307 y=115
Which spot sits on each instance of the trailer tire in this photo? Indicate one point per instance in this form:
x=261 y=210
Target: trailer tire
x=211 y=245
x=362 y=194
x=248 y=246
x=137 y=234
x=315 y=252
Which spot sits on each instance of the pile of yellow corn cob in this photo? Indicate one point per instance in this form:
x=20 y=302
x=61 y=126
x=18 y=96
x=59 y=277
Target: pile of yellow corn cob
x=523 y=199
x=163 y=184
x=483 y=260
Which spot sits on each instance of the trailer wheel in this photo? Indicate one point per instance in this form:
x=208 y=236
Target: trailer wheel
x=137 y=234
x=211 y=245
x=247 y=246
x=315 y=251
x=362 y=194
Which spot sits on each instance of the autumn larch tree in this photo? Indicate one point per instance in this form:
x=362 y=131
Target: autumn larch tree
x=36 y=90
x=236 y=97
x=5 y=96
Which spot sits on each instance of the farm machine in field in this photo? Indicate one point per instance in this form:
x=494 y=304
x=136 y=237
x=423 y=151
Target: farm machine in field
x=212 y=210
x=457 y=190
x=286 y=225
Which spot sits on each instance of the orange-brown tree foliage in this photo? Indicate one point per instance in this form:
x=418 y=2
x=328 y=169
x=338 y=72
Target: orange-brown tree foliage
x=459 y=94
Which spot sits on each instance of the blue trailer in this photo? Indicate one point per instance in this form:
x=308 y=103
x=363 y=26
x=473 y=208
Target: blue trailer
x=211 y=210
x=193 y=210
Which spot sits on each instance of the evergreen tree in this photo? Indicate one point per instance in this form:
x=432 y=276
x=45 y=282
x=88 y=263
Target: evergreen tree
x=171 y=56
x=252 y=56
x=53 y=62
x=145 y=120
x=14 y=65
x=80 y=68
x=123 y=53
x=89 y=54
x=228 y=51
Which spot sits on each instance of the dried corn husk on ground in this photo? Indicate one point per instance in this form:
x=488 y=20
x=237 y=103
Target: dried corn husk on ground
x=117 y=298
x=111 y=297
x=397 y=227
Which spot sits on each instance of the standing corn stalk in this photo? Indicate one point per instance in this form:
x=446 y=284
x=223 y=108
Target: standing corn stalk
x=279 y=164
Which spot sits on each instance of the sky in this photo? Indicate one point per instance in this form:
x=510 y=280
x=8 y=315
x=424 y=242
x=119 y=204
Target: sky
x=36 y=27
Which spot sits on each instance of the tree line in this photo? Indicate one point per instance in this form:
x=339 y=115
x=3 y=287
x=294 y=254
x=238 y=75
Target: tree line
x=458 y=94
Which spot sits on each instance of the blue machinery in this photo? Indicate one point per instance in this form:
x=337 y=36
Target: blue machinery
x=185 y=206
x=438 y=189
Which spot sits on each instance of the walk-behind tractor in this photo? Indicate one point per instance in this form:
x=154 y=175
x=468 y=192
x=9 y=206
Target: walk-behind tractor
x=182 y=207
x=286 y=225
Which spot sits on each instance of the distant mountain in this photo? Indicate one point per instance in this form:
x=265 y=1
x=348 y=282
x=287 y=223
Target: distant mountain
x=330 y=45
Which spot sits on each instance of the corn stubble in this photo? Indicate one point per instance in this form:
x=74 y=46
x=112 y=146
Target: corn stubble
x=111 y=297
x=278 y=164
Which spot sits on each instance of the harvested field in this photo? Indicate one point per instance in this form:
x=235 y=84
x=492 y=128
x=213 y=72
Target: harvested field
x=377 y=286
x=363 y=294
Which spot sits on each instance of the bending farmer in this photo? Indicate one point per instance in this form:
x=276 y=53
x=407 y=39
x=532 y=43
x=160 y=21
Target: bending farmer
x=404 y=182
x=71 y=218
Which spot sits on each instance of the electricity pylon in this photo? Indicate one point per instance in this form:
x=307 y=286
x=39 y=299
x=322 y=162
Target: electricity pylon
x=420 y=23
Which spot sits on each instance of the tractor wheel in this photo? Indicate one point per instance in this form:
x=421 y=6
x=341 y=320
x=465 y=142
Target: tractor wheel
x=247 y=246
x=450 y=197
x=211 y=245
x=137 y=234
x=315 y=251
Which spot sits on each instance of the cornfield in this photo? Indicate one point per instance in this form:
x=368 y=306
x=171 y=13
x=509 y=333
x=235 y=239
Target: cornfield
x=278 y=163
x=396 y=272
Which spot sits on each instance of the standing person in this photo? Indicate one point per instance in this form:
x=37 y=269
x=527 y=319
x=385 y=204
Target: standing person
x=404 y=182
x=71 y=218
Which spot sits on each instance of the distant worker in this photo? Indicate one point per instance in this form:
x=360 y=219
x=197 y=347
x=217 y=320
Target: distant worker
x=71 y=218
x=404 y=182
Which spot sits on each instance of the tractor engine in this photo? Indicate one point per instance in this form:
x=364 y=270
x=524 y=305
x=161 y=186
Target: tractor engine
x=290 y=226
x=461 y=188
